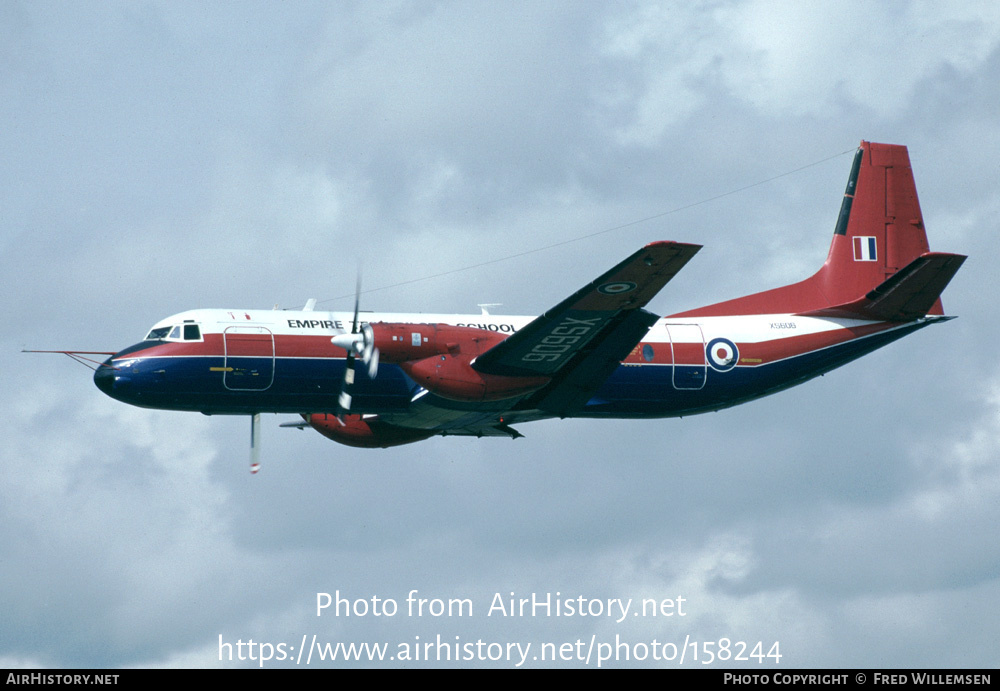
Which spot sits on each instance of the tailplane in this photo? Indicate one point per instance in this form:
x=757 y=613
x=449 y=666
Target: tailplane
x=879 y=265
x=908 y=294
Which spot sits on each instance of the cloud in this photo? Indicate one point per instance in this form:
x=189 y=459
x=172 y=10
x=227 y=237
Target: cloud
x=787 y=59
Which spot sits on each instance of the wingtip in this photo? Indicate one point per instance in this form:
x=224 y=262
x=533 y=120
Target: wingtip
x=672 y=243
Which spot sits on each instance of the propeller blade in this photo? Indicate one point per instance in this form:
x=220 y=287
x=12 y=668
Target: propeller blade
x=344 y=397
x=358 y=343
x=357 y=304
x=369 y=354
x=344 y=401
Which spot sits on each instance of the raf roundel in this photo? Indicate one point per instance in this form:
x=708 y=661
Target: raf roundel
x=722 y=354
x=616 y=288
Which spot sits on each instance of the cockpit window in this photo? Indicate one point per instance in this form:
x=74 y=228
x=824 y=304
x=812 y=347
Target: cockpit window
x=158 y=334
x=187 y=332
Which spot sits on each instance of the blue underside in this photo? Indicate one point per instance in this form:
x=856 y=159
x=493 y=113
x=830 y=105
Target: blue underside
x=312 y=385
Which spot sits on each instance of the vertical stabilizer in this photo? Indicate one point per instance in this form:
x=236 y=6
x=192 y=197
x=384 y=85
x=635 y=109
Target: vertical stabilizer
x=880 y=228
x=879 y=231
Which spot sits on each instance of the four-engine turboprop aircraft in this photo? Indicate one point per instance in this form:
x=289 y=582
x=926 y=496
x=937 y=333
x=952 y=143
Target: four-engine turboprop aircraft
x=597 y=354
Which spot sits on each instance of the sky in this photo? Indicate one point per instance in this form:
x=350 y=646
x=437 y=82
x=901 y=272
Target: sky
x=164 y=156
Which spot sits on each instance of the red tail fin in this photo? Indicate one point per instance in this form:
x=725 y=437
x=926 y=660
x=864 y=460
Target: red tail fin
x=880 y=230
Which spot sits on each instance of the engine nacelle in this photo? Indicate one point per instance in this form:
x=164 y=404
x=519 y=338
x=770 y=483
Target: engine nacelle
x=439 y=358
x=452 y=376
x=398 y=343
x=364 y=433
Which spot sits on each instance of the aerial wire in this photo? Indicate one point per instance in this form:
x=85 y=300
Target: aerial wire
x=597 y=233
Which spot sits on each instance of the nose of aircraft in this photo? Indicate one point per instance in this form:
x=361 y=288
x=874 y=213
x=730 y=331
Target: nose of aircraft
x=104 y=377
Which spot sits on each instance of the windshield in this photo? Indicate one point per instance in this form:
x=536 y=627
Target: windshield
x=190 y=332
x=158 y=334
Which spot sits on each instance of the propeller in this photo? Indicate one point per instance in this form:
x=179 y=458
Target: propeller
x=360 y=343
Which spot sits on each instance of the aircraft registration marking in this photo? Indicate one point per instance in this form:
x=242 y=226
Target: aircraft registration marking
x=561 y=340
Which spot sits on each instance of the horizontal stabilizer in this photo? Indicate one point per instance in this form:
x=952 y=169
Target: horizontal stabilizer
x=910 y=293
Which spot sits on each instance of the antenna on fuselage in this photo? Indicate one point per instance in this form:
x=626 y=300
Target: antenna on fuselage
x=255 y=443
x=484 y=305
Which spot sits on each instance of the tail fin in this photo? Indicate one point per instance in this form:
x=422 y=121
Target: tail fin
x=880 y=229
x=879 y=232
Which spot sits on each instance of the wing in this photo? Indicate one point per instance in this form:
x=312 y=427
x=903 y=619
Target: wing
x=580 y=341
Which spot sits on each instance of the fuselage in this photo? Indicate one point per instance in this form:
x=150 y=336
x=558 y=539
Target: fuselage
x=597 y=353
x=251 y=361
